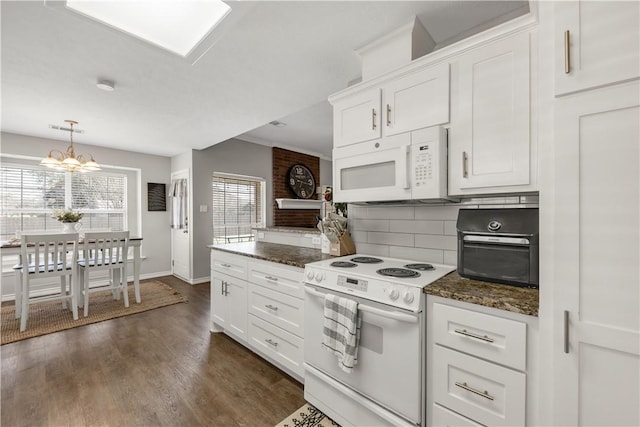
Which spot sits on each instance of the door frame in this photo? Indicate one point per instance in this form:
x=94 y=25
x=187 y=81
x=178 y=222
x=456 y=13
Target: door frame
x=185 y=173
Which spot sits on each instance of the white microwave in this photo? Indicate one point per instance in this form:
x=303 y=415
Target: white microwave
x=409 y=166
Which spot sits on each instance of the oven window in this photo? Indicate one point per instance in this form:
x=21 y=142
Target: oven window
x=368 y=176
x=508 y=263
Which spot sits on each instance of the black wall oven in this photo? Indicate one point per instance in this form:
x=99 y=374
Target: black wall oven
x=499 y=245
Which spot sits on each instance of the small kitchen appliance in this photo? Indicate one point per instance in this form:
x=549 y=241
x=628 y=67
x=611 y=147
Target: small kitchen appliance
x=499 y=245
x=385 y=387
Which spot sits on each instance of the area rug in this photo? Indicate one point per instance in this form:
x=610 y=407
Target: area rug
x=48 y=317
x=307 y=416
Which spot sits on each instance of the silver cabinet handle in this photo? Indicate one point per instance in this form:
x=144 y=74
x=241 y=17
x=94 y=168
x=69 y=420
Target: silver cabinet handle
x=226 y=265
x=271 y=307
x=567 y=52
x=484 y=394
x=373 y=119
x=566 y=331
x=222 y=284
x=273 y=279
x=388 y=115
x=465 y=165
x=472 y=335
x=270 y=341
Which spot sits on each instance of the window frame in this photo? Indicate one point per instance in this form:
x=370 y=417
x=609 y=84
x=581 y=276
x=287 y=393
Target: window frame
x=261 y=203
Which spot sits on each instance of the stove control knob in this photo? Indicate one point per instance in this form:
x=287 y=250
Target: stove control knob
x=408 y=297
x=393 y=294
x=310 y=274
x=319 y=276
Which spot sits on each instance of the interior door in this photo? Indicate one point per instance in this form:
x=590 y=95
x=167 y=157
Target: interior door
x=180 y=239
x=597 y=221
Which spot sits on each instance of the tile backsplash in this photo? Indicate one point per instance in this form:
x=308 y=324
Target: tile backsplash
x=421 y=233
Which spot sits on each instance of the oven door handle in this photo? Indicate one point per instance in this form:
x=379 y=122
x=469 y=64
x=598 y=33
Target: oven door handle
x=407 y=318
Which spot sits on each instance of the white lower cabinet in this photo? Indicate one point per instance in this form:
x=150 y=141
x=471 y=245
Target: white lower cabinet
x=260 y=304
x=478 y=367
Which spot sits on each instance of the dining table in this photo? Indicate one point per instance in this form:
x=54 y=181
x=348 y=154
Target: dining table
x=12 y=247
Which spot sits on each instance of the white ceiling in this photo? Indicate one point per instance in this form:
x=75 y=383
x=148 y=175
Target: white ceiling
x=272 y=61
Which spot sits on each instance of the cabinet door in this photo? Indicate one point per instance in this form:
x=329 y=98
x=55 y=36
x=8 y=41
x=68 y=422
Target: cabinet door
x=236 y=294
x=417 y=100
x=357 y=118
x=596 y=234
x=603 y=43
x=490 y=139
x=218 y=301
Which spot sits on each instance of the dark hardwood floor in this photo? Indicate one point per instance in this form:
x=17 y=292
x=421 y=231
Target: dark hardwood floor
x=158 y=368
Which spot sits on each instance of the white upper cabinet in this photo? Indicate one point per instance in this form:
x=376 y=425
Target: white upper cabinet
x=492 y=140
x=417 y=100
x=357 y=118
x=408 y=102
x=596 y=43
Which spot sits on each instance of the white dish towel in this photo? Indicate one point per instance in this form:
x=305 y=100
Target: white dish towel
x=341 y=334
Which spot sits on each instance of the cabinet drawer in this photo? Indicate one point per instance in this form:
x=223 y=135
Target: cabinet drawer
x=277 y=344
x=280 y=309
x=276 y=277
x=482 y=391
x=499 y=340
x=233 y=265
x=442 y=417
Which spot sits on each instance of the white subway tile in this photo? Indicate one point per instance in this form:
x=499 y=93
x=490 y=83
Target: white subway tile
x=416 y=254
x=450 y=228
x=436 y=242
x=398 y=239
x=530 y=199
x=448 y=212
x=370 y=224
x=356 y=211
x=390 y=212
x=369 y=249
x=450 y=257
x=359 y=236
x=414 y=226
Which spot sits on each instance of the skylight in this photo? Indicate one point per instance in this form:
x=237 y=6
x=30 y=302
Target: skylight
x=177 y=26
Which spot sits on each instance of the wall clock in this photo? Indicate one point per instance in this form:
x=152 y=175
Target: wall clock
x=301 y=181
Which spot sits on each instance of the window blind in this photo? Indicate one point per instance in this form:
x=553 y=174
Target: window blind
x=30 y=195
x=238 y=206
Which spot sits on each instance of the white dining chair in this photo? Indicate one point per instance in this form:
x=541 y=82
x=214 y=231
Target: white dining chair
x=43 y=256
x=104 y=251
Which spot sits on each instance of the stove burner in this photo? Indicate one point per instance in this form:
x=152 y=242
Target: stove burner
x=343 y=264
x=421 y=267
x=398 y=272
x=366 y=260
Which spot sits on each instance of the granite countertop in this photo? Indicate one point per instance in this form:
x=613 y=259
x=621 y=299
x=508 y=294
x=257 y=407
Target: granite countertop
x=301 y=230
x=503 y=297
x=274 y=252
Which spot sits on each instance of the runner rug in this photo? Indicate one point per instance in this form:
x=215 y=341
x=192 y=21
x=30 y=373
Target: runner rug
x=307 y=416
x=48 y=317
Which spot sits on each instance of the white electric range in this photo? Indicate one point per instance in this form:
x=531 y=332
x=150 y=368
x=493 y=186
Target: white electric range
x=385 y=387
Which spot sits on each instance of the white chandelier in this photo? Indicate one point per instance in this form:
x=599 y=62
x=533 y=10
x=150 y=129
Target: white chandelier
x=68 y=161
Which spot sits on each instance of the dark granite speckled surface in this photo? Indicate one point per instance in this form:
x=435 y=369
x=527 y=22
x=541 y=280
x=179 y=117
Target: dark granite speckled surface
x=274 y=252
x=299 y=230
x=503 y=297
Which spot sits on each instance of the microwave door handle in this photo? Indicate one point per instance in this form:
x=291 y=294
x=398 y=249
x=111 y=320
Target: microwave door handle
x=405 y=152
x=407 y=318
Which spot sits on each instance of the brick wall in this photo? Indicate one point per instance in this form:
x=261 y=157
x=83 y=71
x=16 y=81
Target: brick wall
x=283 y=160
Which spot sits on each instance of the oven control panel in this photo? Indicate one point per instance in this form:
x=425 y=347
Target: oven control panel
x=384 y=292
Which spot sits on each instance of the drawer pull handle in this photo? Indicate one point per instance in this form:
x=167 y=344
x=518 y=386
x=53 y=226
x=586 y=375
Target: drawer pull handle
x=469 y=334
x=271 y=307
x=226 y=265
x=565 y=329
x=273 y=279
x=270 y=341
x=484 y=394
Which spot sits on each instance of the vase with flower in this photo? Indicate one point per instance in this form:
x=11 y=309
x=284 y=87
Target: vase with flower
x=69 y=218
